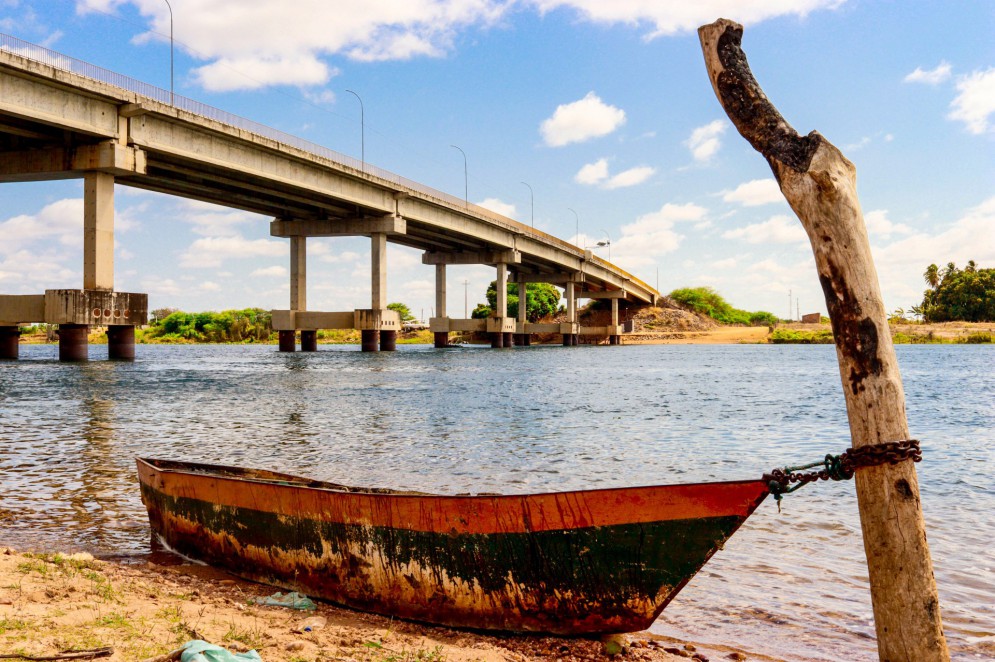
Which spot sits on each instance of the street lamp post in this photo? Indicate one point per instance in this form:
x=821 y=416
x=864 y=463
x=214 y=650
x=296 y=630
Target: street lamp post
x=532 y=204
x=609 y=244
x=170 y=51
x=466 y=189
x=362 y=129
x=577 y=218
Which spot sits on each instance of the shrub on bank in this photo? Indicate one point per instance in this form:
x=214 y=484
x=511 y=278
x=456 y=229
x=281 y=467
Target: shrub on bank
x=790 y=337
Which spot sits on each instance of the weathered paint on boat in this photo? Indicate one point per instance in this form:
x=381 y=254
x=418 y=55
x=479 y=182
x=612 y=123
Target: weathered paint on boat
x=584 y=562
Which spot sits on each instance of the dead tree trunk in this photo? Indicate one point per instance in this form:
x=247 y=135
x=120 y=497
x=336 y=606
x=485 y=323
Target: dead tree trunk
x=820 y=185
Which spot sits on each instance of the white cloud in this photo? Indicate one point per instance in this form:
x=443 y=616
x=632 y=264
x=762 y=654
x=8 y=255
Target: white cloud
x=211 y=220
x=498 y=207
x=592 y=173
x=210 y=252
x=271 y=272
x=668 y=18
x=705 y=140
x=878 y=225
x=255 y=72
x=975 y=100
x=653 y=234
x=62 y=219
x=755 y=193
x=630 y=177
x=581 y=120
x=209 y=286
x=901 y=263
x=597 y=174
x=932 y=77
x=227 y=35
x=778 y=229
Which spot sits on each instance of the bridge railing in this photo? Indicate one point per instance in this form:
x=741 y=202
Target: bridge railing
x=78 y=67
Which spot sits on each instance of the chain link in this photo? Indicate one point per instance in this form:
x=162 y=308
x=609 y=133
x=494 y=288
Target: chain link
x=842 y=467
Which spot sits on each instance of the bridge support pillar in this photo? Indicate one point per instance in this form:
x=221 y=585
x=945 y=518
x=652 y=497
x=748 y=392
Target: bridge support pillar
x=121 y=342
x=73 y=342
x=288 y=340
x=441 y=338
x=370 y=340
x=9 y=338
x=309 y=340
x=388 y=341
x=522 y=339
x=614 y=339
x=497 y=340
x=98 y=231
x=509 y=340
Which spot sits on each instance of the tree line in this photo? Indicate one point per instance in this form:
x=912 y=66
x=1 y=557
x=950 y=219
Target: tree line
x=963 y=295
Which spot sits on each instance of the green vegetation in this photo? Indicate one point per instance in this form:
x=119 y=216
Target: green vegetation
x=707 y=301
x=542 y=300
x=228 y=326
x=787 y=336
x=402 y=310
x=966 y=295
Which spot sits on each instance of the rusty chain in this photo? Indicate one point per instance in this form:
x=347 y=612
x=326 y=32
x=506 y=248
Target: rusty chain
x=843 y=466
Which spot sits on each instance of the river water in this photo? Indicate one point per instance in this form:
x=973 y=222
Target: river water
x=790 y=585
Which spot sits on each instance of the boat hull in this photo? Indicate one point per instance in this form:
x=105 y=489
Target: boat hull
x=586 y=562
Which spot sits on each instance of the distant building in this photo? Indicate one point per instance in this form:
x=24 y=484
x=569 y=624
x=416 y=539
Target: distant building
x=812 y=318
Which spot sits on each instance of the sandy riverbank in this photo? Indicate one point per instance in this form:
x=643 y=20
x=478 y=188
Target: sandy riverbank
x=51 y=603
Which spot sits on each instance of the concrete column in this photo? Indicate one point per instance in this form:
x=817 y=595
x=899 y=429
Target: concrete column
x=98 y=231
x=501 y=302
x=523 y=300
x=614 y=339
x=370 y=340
x=441 y=337
x=571 y=295
x=388 y=341
x=121 y=342
x=288 y=341
x=378 y=254
x=73 y=342
x=298 y=273
x=509 y=339
x=9 y=338
x=309 y=340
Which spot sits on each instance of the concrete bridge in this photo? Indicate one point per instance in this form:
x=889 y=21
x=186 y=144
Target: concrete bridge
x=63 y=118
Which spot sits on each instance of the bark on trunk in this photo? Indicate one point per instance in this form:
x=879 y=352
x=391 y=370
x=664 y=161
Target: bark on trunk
x=820 y=185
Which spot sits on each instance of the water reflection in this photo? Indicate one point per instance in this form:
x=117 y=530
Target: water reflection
x=535 y=419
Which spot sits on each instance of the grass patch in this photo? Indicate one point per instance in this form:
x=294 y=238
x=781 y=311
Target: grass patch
x=977 y=338
x=13 y=625
x=791 y=337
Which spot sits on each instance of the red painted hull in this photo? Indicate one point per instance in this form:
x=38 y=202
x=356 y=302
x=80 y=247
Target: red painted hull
x=589 y=561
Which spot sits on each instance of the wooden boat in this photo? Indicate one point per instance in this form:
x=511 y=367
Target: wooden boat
x=584 y=562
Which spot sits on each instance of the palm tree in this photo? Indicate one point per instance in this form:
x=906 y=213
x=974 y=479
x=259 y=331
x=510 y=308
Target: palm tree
x=932 y=276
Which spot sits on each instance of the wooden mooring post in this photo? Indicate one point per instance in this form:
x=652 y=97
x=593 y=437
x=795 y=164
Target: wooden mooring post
x=820 y=185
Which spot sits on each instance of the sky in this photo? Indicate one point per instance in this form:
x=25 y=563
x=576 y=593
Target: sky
x=593 y=120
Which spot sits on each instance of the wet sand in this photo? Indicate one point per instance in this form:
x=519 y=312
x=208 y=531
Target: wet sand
x=54 y=603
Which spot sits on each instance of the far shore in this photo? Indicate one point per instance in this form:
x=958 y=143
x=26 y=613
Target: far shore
x=911 y=333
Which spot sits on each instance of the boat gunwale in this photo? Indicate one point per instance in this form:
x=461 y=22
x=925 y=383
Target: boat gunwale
x=290 y=480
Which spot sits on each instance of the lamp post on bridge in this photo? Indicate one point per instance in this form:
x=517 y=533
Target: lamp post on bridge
x=466 y=189
x=532 y=204
x=362 y=129
x=170 y=7
x=577 y=218
x=608 y=243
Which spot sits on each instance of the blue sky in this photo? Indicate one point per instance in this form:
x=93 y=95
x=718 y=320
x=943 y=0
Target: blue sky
x=603 y=108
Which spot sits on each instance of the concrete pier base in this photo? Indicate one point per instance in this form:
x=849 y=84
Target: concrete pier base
x=121 y=342
x=497 y=340
x=309 y=341
x=73 y=342
x=370 y=340
x=388 y=341
x=614 y=340
x=441 y=339
x=9 y=337
x=288 y=341
x=509 y=340
x=568 y=339
x=522 y=339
